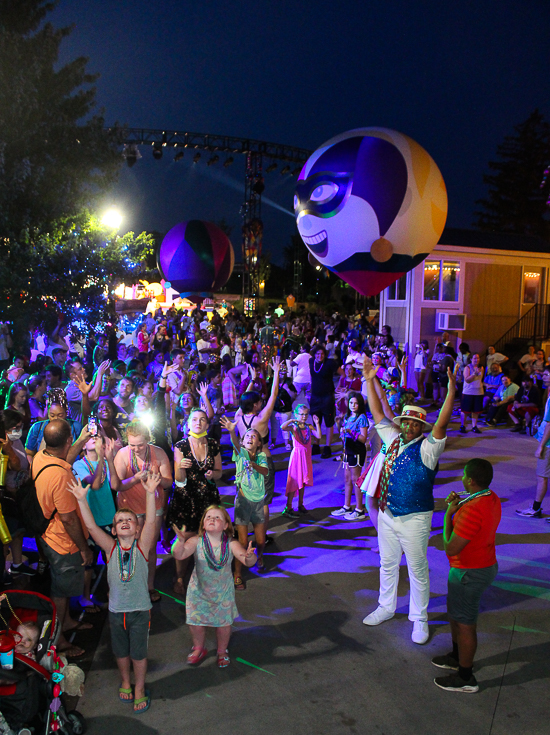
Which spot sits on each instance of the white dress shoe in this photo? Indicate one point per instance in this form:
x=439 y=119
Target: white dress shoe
x=420 y=632
x=378 y=616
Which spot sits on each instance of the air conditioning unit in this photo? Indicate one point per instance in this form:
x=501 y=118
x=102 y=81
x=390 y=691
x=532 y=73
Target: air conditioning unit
x=446 y=321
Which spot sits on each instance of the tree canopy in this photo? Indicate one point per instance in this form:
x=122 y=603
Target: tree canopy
x=56 y=159
x=516 y=202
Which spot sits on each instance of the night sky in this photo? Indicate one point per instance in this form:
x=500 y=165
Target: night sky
x=456 y=77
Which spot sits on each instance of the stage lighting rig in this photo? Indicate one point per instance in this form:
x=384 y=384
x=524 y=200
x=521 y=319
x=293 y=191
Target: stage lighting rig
x=285 y=170
x=228 y=161
x=196 y=157
x=213 y=160
x=157 y=151
x=271 y=167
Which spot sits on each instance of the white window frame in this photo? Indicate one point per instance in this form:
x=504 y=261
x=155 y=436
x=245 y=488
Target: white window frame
x=443 y=305
x=407 y=287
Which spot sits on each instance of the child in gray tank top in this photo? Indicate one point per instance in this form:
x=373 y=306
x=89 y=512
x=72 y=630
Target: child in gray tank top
x=129 y=600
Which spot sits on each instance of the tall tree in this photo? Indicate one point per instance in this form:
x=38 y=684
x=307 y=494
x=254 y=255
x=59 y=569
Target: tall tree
x=55 y=154
x=56 y=158
x=516 y=202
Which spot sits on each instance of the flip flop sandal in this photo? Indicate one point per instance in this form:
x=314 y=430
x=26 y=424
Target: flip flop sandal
x=223 y=660
x=146 y=698
x=73 y=652
x=196 y=656
x=239 y=583
x=91 y=609
x=122 y=691
x=80 y=626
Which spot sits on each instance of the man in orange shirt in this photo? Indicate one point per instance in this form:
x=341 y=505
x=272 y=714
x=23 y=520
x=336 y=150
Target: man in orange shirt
x=469 y=532
x=64 y=542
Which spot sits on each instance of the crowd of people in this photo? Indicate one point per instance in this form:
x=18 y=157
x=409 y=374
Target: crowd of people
x=120 y=434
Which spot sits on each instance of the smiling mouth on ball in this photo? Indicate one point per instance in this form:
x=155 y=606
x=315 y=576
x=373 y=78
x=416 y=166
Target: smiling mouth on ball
x=318 y=243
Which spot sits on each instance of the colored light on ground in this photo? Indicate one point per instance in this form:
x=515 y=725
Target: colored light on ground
x=247 y=663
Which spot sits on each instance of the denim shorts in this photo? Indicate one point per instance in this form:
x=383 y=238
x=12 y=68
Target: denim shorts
x=465 y=588
x=130 y=634
x=248 y=511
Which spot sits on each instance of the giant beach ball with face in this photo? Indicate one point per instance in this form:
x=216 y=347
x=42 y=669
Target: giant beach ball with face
x=370 y=205
x=197 y=258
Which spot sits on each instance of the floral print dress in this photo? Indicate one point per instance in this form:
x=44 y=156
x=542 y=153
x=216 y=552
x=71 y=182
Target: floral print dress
x=189 y=503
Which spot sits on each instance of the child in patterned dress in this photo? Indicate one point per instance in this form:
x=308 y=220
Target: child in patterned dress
x=211 y=593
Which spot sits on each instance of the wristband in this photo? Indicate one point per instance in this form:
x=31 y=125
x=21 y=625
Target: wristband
x=180 y=484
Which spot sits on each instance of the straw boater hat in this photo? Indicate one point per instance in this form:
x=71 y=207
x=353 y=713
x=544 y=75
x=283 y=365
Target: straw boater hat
x=413 y=412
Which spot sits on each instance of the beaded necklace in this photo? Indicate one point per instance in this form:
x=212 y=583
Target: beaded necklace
x=474 y=495
x=210 y=555
x=201 y=463
x=303 y=438
x=126 y=562
x=146 y=462
x=318 y=370
x=91 y=468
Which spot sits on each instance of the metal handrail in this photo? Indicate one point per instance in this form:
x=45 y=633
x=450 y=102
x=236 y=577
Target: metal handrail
x=534 y=326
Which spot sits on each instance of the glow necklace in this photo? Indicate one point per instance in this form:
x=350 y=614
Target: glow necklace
x=198 y=436
x=126 y=562
x=210 y=555
x=320 y=366
x=146 y=462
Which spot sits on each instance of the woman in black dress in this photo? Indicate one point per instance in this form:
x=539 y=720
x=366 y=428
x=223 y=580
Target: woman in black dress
x=197 y=464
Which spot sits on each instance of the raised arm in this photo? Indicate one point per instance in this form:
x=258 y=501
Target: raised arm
x=96 y=390
x=439 y=430
x=202 y=390
x=181 y=548
x=148 y=532
x=373 y=384
x=101 y=538
x=85 y=404
x=231 y=426
x=78 y=445
x=110 y=457
x=245 y=556
x=270 y=405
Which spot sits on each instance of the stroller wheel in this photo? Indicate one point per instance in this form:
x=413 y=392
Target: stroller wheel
x=76 y=724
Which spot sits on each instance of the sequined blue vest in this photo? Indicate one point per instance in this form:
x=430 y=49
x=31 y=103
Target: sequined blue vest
x=411 y=483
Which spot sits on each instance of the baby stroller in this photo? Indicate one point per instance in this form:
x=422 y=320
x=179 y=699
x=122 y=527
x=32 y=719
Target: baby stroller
x=30 y=692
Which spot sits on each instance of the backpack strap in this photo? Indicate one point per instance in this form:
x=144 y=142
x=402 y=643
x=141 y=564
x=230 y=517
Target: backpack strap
x=36 y=478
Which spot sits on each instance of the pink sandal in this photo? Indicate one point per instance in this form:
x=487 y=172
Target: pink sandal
x=196 y=656
x=223 y=660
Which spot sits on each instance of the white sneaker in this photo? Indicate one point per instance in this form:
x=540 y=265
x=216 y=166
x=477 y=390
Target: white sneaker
x=340 y=512
x=379 y=615
x=355 y=515
x=420 y=632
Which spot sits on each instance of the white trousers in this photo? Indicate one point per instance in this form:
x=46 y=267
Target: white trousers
x=409 y=534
